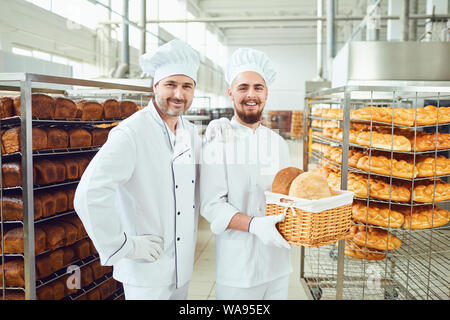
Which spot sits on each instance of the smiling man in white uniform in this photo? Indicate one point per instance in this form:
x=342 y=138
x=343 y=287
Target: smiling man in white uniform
x=252 y=258
x=136 y=198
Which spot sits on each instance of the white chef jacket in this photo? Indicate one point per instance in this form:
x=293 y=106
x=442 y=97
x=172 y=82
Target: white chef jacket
x=139 y=184
x=234 y=176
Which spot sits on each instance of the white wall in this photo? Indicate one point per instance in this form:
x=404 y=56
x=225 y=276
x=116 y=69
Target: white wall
x=294 y=65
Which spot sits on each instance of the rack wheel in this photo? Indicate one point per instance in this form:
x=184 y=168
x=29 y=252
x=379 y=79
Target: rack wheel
x=390 y=293
x=316 y=293
x=333 y=253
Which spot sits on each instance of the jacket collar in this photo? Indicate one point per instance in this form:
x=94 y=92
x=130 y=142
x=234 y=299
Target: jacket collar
x=245 y=130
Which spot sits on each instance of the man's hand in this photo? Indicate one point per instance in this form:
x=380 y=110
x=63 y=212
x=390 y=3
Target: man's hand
x=148 y=247
x=219 y=129
x=264 y=228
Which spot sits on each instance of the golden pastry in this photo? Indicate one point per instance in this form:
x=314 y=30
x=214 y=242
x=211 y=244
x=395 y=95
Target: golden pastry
x=427 y=141
x=424 y=192
x=424 y=217
x=354 y=251
x=378 y=215
x=374 y=238
x=426 y=166
x=383 y=165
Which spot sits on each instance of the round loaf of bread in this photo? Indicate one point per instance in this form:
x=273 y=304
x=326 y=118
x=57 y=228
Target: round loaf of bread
x=283 y=179
x=310 y=185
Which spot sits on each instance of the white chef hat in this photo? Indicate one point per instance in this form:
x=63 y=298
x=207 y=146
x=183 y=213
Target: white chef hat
x=247 y=59
x=174 y=57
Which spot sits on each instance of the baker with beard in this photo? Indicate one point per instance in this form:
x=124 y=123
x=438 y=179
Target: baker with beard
x=137 y=197
x=252 y=258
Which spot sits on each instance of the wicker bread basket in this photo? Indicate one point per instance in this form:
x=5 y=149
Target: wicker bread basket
x=312 y=223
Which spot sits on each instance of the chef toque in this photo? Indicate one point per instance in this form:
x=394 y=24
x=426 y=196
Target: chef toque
x=174 y=57
x=246 y=59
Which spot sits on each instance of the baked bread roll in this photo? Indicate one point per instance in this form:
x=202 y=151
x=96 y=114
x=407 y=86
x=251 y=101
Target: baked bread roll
x=374 y=238
x=42 y=106
x=11 y=140
x=86 y=276
x=89 y=110
x=13 y=295
x=384 y=165
x=65 y=109
x=56 y=258
x=83 y=162
x=76 y=222
x=424 y=217
x=377 y=215
x=112 y=109
x=354 y=251
x=426 y=166
x=424 y=192
x=383 y=141
x=310 y=185
x=283 y=179
x=70 y=192
x=13 y=240
x=427 y=141
x=379 y=189
x=57 y=138
x=127 y=108
x=6 y=107
x=80 y=138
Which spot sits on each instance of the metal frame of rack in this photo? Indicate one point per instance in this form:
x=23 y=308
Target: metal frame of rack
x=420 y=268
x=25 y=84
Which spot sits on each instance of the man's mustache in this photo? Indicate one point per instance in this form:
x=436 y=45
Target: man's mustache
x=176 y=100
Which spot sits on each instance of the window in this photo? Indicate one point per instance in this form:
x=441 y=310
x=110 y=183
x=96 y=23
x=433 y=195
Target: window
x=22 y=52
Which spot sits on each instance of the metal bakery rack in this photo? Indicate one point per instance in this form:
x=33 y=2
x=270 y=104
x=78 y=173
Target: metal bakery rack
x=26 y=84
x=419 y=268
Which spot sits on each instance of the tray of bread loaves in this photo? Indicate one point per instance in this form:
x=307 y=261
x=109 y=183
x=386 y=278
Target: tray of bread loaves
x=316 y=215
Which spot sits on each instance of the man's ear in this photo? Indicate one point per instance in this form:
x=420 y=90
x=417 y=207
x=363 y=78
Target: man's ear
x=230 y=94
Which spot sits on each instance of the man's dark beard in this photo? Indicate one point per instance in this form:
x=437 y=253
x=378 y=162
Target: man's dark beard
x=250 y=118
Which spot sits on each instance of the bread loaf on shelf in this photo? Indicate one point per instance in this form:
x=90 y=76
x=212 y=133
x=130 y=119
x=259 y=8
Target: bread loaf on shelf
x=112 y=109
x=431 y=192
x=377 y=215
x=79 y=138
x=374 y=238
x=12 y=174
x=57 y=259
x=55 y=235
x=425 y=217
x=13 y=207
x=48 y=204
x=6 y=107
x=387 y=166
x=65 y=109
x=354 y=251
x=427 y=165
x=57 y=287
x=99 y=136
x=70 y=231
x=13 y=273
x=69 y=254
x=57 y=138
x=43 y=266
x=89 y=110
x=42 y=105
x=13 y=240
x=81 y=249
x=71 y=165
x=60 y=201
x=127 y=108
x=11 y=140
x=60 y=171
x=427 y=141
x=45 y=171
